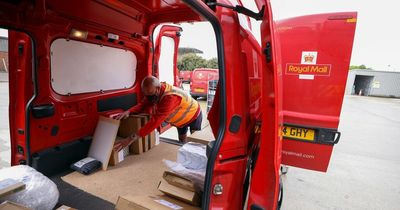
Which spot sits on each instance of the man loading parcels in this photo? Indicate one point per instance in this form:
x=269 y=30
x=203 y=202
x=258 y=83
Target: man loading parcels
x=170 y=104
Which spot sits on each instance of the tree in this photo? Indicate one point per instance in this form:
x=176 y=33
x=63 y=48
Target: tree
x=186 y=50
x=362 y=66
x=212 y=63
x=191 y=61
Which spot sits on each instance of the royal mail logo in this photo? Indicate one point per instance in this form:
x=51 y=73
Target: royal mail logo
x=301 y=69
x=309 y=57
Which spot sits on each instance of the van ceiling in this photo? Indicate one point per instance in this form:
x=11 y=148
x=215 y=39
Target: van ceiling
x=127 y=15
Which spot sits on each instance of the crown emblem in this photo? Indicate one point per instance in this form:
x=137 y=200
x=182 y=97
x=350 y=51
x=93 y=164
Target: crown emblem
x=308 y=58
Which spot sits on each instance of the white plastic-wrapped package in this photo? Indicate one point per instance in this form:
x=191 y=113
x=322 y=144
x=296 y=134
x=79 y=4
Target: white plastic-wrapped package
x=40 y=193
x=193 y=156
x=191 y=163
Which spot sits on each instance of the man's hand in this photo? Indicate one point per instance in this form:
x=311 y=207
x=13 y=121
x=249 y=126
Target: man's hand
x=122 y=115
x=134 y=137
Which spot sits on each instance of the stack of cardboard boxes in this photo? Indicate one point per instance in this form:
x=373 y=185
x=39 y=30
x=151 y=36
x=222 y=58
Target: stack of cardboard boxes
x=128 y=127
x=179 y=193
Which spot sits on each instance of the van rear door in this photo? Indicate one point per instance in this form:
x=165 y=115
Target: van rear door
x=166 y=54
x=21 y=90
x=316 y=51
x=165 y=59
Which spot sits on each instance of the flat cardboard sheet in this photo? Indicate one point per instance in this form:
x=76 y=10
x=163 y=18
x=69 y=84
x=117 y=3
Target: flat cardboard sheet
x=129 y=202
x=8 y=205
x=204 y=136
x=103 y=140
x=10 y=186
x=136 y=175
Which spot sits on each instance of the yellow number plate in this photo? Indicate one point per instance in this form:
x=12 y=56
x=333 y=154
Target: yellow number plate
x=298 y=133
x=199 y=89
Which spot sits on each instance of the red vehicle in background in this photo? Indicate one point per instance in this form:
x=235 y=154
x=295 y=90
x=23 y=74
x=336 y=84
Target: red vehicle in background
x=185 y=76
x=199 y=81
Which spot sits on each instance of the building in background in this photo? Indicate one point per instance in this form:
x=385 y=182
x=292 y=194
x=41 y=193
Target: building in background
x=3 y=54
x=373 y=83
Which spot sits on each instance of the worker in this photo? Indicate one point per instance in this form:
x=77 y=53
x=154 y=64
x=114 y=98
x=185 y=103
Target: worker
x=169 y=104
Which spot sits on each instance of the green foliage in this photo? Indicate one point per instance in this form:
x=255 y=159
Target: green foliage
x=362 y=66
x=212 y=63
x=191 y=61
x=186 y=50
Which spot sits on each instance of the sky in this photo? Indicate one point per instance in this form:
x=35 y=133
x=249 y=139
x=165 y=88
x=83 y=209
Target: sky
x=376 y=43
x=377 y=38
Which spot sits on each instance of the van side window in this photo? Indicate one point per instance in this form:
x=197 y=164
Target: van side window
x=166 y=61
x=80 y=67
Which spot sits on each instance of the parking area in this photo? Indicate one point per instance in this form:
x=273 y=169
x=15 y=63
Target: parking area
x=365 y=167
x=364 y=172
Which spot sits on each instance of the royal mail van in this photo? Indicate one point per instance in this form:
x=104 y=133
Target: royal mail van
x=185 y=76
x=277 y=102
x=200 y=79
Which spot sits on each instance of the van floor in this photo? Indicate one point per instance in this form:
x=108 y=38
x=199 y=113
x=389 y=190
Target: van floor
x=136 y=175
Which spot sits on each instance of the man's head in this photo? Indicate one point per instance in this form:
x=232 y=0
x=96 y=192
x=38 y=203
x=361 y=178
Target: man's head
x=151 y=88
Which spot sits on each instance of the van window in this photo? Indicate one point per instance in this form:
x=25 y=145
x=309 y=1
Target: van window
x=166 y=60
x=80 y=67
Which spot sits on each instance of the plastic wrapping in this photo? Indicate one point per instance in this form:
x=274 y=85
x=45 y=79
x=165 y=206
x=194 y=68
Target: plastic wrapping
x=191 y=163
x=40 y=193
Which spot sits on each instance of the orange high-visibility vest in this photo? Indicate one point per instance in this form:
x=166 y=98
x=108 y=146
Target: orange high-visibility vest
x=186 y=109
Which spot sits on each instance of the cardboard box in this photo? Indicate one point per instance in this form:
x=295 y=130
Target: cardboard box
x=178 y=181
x=129 y=126
x=8 y=205
x=181 y=194
x=204 y=136
x=162 y=202
x=10 y=186
x=64 y=207
x=145 y=139
x=118 y=156
x=120 y=150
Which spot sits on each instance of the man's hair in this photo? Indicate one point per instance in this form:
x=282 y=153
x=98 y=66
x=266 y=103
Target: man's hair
x=150 y=81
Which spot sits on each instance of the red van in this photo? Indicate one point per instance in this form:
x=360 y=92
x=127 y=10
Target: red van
x=185 y=76
x=199 y=82
x=278 y=102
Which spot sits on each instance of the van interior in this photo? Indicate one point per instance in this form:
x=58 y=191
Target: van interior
x=86 y=67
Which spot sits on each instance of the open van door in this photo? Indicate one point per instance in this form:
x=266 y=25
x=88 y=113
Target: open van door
x=165 y=59
x=166 y=54
x=316 y=51
x=20 y=93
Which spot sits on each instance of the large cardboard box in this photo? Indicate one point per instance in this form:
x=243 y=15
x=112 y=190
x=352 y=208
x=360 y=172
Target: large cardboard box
x=10 y=186
x=204 y=136
x=187 y=196
x=129 y=126
x=8 y=205
x=162 y=202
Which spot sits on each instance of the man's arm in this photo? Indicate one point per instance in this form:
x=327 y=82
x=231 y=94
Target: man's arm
x=144 y=104
x=164 y=108
x=138 y=108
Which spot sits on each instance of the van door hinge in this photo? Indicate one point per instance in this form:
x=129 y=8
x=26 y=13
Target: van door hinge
x=267 y=52
x=241 y=9
x=20 y=49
